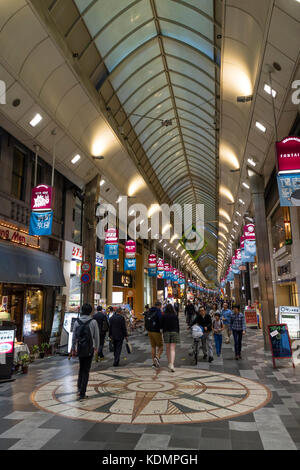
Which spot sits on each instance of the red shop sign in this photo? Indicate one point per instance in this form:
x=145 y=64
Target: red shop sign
x=41 y=198
x=288 y=155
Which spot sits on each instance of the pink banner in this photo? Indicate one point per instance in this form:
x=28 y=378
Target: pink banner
x=41 y=198
x=160 y=264
x=288 y=155
x=249 y=232
x=152 y=262
x=130 y=249
x=111 y=236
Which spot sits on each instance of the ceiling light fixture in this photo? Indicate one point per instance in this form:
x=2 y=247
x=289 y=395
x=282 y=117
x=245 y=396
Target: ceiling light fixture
x=267 y=89
x=251 y=161
x=76 y=159
x=241 y=201
x=260 y=126
x=36 y=120
x=246 y=185
x=102 y=182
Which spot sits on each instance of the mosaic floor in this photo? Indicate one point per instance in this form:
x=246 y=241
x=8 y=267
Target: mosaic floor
x=146 y=396
x=223 y=405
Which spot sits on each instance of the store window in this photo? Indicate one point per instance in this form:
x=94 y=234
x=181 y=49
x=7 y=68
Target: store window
x=281 y=228
x=18 y=175
x=77 y=218
x=33 y=311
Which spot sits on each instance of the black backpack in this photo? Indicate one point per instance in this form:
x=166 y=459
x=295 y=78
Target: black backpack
x=151 y=320
x=105 y=325
x=85 y=346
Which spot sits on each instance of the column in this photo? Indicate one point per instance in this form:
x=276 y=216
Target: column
x=109 y=281
x=263 y=253
x=89 y=238
x=139 y=284
x=295 y=226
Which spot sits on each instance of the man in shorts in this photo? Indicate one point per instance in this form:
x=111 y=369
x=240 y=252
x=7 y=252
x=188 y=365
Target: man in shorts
x=153 y=326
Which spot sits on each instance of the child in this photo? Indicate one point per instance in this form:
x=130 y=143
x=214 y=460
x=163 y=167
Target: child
x=218 y=328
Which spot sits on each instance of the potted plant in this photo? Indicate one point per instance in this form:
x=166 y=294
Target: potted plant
x=43 y=348
x=35 y=352
x=25 y=360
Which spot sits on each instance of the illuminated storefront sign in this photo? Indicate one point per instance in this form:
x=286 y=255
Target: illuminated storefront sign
x=8 y=232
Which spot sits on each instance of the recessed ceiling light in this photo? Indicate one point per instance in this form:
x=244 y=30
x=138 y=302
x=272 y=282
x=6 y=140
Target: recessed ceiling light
x=251 y=161
x=246 y=185
x=237 y=212
x=36 y=120
x=241 y=201
x=260 y=126
x=119 y=199
x=267 y=89
x=76 y=159
x=236 y=223
x=102 y=182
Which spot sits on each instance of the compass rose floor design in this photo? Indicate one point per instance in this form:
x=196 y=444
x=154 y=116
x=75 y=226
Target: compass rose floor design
x=147 y=396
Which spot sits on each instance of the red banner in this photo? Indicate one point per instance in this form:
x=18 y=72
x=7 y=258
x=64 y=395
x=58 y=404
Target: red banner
x=288 y=155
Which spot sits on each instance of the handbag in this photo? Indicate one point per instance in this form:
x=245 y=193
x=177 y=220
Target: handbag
x=129 y=347
x=111 y=346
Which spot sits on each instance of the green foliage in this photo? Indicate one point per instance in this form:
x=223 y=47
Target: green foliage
x=44 y=347
x=25 y=359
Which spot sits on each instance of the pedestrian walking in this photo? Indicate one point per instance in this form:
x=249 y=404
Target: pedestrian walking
x=117 y=334
x=238 y=327
x=190 y=312
x=204 y=319
x=85 y=343
x=176 y=307
x=103 y=325
x=218 y=328
x=226 y=316
x=214 y=310
x=153 y=326
x=170 y=327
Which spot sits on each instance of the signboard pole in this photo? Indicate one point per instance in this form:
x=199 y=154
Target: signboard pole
x=37 y=148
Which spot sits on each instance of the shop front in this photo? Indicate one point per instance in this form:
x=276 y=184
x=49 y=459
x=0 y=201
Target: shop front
x=29 y=282
x=72 y=272
x=123 y=291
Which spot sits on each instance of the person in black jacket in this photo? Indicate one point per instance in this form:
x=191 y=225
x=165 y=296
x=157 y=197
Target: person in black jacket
x=189 y=312
x=102 y=320
x=170 y=327
x=117 y=333
x=204 y=319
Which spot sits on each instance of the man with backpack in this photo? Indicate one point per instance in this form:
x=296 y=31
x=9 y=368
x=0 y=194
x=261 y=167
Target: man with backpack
x=103 y=325
x=85 y=343
x=117 y=333
x=153 y=326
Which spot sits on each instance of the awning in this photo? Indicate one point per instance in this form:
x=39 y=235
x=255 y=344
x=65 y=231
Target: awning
x=20 y=265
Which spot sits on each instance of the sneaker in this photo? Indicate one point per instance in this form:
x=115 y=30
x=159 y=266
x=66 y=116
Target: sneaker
x=171 y=368
x=156 y=362
x=236 y=358
x=83 y=398
x=210 y=359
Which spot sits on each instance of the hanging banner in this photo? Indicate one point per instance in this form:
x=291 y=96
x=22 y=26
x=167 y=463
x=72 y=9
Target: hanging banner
x=160 y=268
x=111 y=250
x=288 y=155
x=250 y=248
x=242 y=240
x=249 y=232
x=130 y=249
x=152 y=272
x=152 y=262
x=41 y=198
x=289 y=189
x=167 y=271
x=41 y=223
x=246 y=258
x=129 y=264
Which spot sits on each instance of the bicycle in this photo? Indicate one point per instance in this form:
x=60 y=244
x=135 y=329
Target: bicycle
x=197 y=333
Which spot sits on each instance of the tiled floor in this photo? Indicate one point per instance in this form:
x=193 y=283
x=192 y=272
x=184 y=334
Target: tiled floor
x=276 y=425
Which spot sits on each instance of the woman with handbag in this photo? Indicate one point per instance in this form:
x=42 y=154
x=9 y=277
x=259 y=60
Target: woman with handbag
x=170 y=327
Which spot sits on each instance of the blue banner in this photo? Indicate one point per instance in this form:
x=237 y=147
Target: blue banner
x=152 y=272
x=111 y=252
x=41 y=223
x=129 y=264
x=289 y=189
x=250 y=248
x=246 y=258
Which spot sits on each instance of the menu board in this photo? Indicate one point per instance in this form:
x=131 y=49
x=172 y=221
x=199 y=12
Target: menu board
x=7 y=338
x=280 y=341
x=291 y=317
x=251 y=317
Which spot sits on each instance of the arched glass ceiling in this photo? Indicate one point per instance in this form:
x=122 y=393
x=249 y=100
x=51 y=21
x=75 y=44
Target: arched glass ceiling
x=162 y=63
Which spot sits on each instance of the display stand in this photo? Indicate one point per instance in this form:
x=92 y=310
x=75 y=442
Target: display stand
x=280 y=342
x=7 y=342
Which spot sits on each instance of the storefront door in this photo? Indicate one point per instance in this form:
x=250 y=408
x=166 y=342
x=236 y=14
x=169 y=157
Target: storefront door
x=16 y=308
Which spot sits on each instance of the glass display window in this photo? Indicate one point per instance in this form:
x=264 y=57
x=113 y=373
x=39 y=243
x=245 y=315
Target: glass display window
x=33 y=317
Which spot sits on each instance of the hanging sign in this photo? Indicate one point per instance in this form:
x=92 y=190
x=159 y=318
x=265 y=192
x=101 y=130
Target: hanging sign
x=249 y=232
x=129 y=264
x=152 y=261
x=289 y=189
x=160 y=268
x=111 y=244
x=288 y=155
x=242 y=240
x=41 y=223
x=250 y=248
x=41 y=198
x=130 y=249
